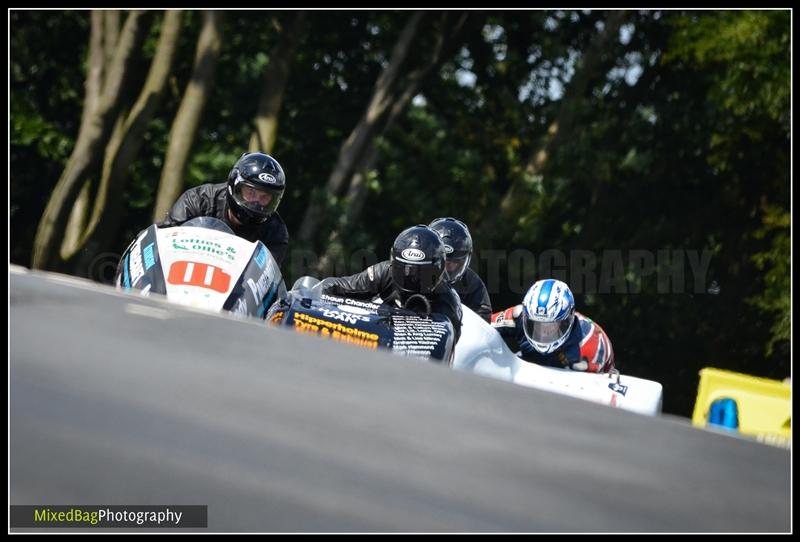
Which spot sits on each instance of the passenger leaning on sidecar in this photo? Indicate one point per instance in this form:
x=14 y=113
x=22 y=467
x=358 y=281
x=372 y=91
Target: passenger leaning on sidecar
x=416 y=266
x=550 y=332
x=247 y=202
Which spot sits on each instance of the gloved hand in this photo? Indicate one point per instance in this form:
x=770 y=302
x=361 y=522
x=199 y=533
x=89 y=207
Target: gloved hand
x=580 y=365
x=507 y=318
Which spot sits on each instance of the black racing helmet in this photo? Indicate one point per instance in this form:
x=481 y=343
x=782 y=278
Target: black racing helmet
x=457 y=246
x=417 y=261
x=255 y=187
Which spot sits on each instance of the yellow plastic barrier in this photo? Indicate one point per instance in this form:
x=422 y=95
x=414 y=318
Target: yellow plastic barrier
x=751 y=405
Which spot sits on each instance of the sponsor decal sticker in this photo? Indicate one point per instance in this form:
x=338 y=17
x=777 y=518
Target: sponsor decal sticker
x=348 y=317
x=354 y=310
x=149 y=257
x=126 y=281
x=199 y=274
x=277 y=318
x=204 y=246
x=413 y=254
x=241 y=306
x=259 y=289
x=137 y=267
x=619 y=388
x=305 y=323
x=261 y=256
x=371 y=307
x=267 y=178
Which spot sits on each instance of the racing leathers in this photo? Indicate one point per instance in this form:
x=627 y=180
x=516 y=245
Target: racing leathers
x=210 y=200
x=376 y=281
x=587 y=348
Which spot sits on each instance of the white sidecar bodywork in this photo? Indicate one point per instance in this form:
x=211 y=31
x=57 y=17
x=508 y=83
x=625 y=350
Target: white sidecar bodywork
x=481 y=350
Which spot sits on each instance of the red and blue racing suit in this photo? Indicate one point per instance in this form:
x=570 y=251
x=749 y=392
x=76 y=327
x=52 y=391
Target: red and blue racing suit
x=587 y=348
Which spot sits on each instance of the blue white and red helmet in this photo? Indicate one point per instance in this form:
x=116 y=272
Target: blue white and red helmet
x=548 y=314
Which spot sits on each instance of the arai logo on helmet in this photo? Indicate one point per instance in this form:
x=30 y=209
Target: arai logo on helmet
x=448 y=249
x=413 y=254
x=267 y=178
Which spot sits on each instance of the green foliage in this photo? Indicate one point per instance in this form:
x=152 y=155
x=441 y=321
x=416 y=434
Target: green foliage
x=30 y=129
x=45 y=105
x=746 y=58
x=774 y=262
x=749 y=50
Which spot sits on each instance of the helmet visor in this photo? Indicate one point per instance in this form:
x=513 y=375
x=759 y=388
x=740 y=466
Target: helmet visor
x=417 y=279
x=253 y=198
x=546 y=332
x=455 y=267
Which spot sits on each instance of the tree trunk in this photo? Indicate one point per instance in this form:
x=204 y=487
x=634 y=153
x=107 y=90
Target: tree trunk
x=447 y=40
x=184 y=128
x=126 y=142
x=354 y=146
x=78 y=218
x=276 y=75
x=79 y=215
x=105 y=33
x=82 y=211
x=111 y=34
x=84 y=161
x=591 y=66
x=96 y=70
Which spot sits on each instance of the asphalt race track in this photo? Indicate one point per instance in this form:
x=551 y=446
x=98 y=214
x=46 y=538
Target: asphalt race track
x=118 y=399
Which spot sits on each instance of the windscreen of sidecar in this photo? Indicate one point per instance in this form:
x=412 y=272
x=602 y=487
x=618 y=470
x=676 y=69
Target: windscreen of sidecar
x=209 y=222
